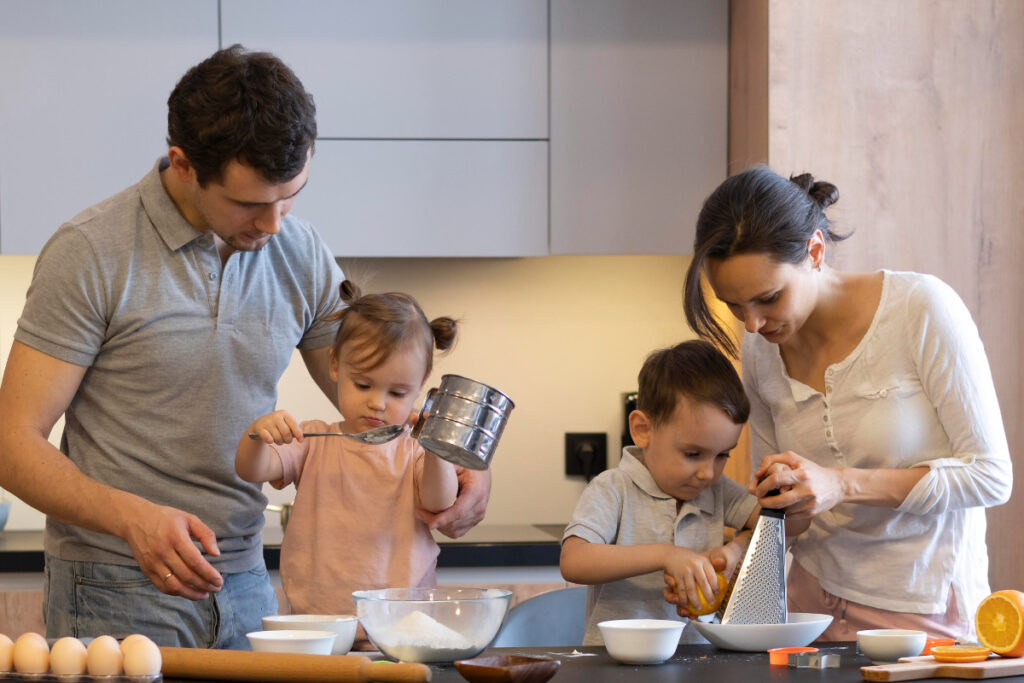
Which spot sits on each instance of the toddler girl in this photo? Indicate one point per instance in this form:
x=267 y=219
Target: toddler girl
x=353 y=525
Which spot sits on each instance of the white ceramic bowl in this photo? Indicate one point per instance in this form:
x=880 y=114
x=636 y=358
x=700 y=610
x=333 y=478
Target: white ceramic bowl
x=342 y=625
x=887 y=645
x=432 y=625
x=295 y=642
x=800 y=630
x=641 y=641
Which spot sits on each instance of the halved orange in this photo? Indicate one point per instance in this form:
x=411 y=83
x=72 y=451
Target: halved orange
x=960 y=653
x=709 y=607
x=1000 y=623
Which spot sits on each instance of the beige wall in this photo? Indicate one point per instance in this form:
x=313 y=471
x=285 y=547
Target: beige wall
x=564 y=336
x=913 y=109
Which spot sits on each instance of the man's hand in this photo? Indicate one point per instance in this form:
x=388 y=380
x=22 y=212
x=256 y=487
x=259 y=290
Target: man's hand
x=469 y=507
x=161 y=541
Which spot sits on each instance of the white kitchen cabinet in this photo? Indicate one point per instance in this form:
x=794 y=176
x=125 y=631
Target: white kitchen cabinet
x=428 y=197
x=83 y=101
x=639 y=102
x=459 y=69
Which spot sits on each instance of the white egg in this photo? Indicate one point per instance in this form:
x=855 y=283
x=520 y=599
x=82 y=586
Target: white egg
x=31 y=654
x=6 y=654
x=104 y=657
x=141 y=656
x=67 y=656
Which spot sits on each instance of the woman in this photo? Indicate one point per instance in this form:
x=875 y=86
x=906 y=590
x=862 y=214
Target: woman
x=875 y=392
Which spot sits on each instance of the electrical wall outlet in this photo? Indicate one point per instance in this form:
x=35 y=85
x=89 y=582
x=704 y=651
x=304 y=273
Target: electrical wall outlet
x=586 y=454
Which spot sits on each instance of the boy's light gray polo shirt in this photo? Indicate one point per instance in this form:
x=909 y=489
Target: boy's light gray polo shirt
x=182 y=355
x=624 y=506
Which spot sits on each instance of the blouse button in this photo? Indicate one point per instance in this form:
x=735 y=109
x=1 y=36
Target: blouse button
x=212 y=276
x=828 y=388
x=829 y=433
x=883 y=393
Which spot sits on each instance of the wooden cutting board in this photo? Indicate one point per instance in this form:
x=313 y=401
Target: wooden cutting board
x=915 y=668
x=238 y=665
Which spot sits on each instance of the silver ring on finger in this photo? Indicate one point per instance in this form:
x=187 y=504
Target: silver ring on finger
x=168 y=576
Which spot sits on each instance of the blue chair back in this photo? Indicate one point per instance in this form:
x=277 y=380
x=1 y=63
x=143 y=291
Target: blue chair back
x=553 y=619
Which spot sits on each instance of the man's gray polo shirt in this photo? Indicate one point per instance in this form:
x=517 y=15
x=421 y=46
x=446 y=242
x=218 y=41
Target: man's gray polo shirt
x=624 y=506
x=182 y=356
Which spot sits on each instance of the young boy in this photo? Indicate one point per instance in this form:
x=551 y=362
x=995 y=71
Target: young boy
x=659 y=517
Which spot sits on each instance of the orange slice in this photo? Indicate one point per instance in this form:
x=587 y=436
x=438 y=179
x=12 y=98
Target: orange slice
x=1000 y=623
x=960 y=653
x=709 y=607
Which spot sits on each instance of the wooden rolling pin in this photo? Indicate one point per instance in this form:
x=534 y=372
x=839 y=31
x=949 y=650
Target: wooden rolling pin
x=273 y=667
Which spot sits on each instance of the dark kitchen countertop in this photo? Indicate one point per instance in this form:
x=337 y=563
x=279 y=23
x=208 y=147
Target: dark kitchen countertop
x=690 y=663
x=487 y=545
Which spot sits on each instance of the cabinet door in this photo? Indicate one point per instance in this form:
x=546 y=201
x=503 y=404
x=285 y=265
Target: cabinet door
x=83 y=102
x=639 y=94
x=408 y=68
x=428 y=198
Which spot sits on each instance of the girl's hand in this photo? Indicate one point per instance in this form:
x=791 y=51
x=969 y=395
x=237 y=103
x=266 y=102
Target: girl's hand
x=278 y=427
x=806 y=488
x=687 y=571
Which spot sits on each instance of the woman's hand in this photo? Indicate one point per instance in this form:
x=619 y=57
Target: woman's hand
x=807 y=489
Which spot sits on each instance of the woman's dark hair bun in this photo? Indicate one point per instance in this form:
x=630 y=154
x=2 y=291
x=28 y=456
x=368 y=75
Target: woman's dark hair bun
x=349 y=292
x=824 y=193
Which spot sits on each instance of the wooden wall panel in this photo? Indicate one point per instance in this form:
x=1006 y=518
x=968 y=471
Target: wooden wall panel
x=914 y=109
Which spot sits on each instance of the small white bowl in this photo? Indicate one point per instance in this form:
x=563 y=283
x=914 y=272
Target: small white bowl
x=800 y=630
x=641 y=641
x=295 y=642
x=342 y=625
x=887 y=645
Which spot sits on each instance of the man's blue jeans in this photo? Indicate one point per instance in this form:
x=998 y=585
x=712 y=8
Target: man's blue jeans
x=89 y=599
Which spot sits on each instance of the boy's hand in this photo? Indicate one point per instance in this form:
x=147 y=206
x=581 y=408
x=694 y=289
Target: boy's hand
x=719 y=559
x=278 y=427
x=687 y=571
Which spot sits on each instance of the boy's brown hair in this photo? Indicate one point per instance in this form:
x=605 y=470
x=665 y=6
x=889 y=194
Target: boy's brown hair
x=694 y=369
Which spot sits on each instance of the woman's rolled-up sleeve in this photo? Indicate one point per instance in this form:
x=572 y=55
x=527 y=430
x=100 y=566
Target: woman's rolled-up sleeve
x=956 y=377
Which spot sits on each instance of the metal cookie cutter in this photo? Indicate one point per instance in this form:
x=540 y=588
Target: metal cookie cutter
x=813 y=660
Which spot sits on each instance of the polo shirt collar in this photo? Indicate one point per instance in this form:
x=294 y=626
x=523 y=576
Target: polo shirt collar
x=641 y=476
x=172 y=227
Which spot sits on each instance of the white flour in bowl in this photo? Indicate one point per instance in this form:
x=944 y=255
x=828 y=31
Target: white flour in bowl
x=417 y=637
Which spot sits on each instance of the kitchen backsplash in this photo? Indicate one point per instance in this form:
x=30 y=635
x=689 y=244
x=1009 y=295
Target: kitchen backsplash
x=563 y=336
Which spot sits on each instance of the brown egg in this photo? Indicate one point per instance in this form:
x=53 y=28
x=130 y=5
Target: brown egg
x=31 y=654
x=141 y=656
x=6 y=654
x=104 y=657
x=68 y=656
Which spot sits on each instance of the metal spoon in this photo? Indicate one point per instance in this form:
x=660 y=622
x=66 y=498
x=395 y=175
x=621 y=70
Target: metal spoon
x=376 y=435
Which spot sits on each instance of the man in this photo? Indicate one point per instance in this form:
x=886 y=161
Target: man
x=159 y=322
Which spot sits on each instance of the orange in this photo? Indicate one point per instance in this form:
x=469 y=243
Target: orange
x=960 y=653
x=1000 y=623
x=709 y=607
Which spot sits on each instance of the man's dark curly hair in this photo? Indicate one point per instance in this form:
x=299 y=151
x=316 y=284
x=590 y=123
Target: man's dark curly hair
x=244 y=106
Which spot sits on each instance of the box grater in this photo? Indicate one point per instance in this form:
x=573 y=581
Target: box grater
x=758 y=595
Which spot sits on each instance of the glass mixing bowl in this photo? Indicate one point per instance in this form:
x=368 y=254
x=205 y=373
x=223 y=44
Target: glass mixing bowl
x=432 y=625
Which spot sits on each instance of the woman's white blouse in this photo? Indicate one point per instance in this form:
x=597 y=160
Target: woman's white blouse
x=916 y=391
